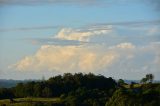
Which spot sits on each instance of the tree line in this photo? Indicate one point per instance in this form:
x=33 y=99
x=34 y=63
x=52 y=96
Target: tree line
x=65 y=86
x=88 y=90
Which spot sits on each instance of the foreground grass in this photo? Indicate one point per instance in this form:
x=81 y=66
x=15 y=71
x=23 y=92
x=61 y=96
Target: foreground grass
x=30 y=102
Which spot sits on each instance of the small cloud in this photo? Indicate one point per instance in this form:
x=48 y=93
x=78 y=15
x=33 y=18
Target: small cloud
x=153 y=31
x=80 y=35
x=125 y=46
x=74 y=37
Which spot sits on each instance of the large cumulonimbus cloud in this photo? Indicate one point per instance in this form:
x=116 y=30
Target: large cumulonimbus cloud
x=72 y=58
x=66 y=59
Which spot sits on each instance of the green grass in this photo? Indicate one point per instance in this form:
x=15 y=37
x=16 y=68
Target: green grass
x=38 y=99
x=30 y=101
x=134 y=86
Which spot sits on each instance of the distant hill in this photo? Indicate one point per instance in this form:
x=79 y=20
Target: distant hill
x=8 y=83
x=4 y=83
x=138 y=81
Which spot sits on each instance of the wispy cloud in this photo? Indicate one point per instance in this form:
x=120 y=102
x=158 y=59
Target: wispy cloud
x=155 y=3
x=40 y=2
x=130 y=23
x=29 y=28
x=89 y=27
x=55 y=41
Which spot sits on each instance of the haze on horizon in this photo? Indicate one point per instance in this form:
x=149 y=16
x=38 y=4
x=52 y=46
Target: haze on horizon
x=115 y=38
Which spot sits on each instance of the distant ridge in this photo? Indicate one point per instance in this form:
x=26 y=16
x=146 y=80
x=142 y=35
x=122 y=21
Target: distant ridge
x=138 y=81
x=8 y=83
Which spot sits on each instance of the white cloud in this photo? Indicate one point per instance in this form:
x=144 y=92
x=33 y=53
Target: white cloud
x=125 y=45
x=67 y=59
x=124 y=59
x=71 y=34
x=74 y=58
x=153 y=31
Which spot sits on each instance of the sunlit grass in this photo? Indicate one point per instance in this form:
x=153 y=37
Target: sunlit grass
x=29 y=101
x=134 y=85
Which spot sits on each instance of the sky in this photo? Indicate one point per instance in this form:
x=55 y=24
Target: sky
x=114 y=38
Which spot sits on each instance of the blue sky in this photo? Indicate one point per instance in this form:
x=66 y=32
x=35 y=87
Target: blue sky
x=117 y=38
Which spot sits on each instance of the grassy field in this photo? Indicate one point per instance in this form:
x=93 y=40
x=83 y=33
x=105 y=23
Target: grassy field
x=31 y=102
